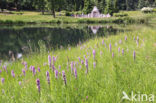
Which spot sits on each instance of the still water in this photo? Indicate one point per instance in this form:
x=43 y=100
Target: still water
x=17 y=40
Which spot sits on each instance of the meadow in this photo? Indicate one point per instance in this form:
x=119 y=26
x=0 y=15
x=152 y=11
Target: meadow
x=96 y=71
x=30 y=17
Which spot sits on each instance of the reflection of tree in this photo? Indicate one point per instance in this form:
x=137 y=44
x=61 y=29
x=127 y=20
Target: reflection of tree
x=16 y=39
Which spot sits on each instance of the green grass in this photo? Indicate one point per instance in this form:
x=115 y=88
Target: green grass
x=28 y=17
x=103 y=84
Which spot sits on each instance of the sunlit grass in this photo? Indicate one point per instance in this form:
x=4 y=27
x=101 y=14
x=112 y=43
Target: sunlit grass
x=36 y=17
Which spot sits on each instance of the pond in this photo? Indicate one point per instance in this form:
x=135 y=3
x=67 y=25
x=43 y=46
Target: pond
x=17 y=40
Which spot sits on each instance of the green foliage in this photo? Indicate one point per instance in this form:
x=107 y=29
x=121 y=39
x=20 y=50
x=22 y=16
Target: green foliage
x=141 y=4
x=105 y=6
x=68 y=13
x=154 y=10
x=40 y=5
x=109 y=7
x=120 y=14
x=88 y=6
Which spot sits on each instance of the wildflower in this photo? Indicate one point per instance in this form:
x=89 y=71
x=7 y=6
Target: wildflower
x=38 y=69
x=112 y=55
x=82 y=62
x=137 y=38
x=12 y=73
x=30 y=68
x=86 y=64
x=86 y=97
x=84 y=56
x=94 y=64
x=64 y=77
x=38 y=85
x=48 y=77
x=54 y=60
x=125 y=38
x=2 y=80
x=110 y=47
x=49 y=60
x=94 y=53
x=74 y=64
x=137 y=43
x=44 y=64
x=0 y=71
x=71 y=65
x=59 y=66
x=119 y=49
x=53 y=67
x=102 y=42
x=33 y=70
x=19 y=82
x=25 y=64
x=134 y=38
x=120 y=41
x=23 y=72
x=5 y=68
x=134 y=55
x=75 y=73
x=100 y=52
x=79 y=59
x=56 y=74
x=122 y=51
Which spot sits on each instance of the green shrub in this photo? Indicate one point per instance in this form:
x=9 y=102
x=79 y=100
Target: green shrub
x=1 y=21
x=20 y=22
x=120 y=14
x=8 y=22
x=154 y=10
x=68 y=13
x=118 y=20
x=78 y=13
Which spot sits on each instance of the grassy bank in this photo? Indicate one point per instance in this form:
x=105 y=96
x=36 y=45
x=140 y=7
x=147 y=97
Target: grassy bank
x=108 y=75
x=37 y=18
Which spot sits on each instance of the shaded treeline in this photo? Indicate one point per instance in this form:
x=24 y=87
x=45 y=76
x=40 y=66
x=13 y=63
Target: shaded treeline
x=85 y=6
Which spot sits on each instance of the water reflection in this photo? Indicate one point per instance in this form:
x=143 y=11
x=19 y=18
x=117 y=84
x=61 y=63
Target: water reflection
x=94 y=28
x=16 y=41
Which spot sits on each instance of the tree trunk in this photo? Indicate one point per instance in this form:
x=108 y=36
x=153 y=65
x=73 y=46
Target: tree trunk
x=2 y=10
x=42 y=12
x=53 y=8
x=53 y=12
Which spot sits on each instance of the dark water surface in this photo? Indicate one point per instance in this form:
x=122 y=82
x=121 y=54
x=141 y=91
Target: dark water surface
x=17 y=40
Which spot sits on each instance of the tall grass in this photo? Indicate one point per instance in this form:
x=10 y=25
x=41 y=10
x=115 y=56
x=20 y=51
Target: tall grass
x=104 y=83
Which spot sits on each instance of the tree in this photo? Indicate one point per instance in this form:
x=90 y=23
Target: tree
x=109 y=7
x=3 y=4
x=41 y=5
x=141 y=4
x=116 y=8
x=88 y=6
x=55 y=5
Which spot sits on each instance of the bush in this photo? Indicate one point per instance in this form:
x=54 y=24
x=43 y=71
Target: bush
x=154 y=10
x=8 y=22
x=120 y=14
x=78 y=13
x=68 y=13
x=147 y=10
